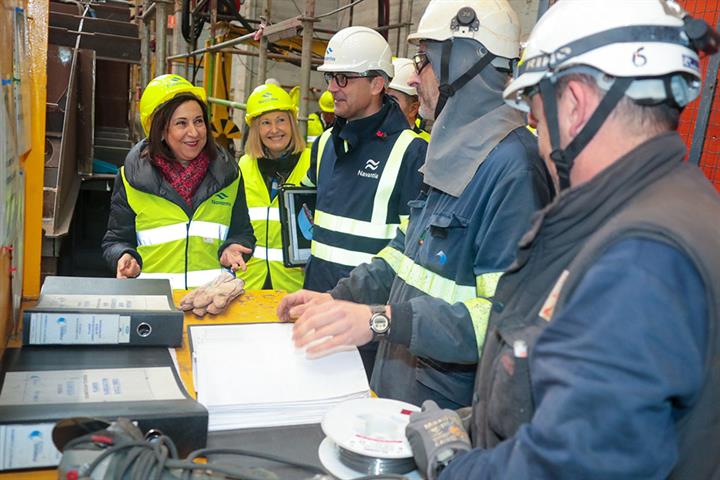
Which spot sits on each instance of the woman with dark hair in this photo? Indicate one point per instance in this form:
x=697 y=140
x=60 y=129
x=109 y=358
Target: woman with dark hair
x=178 y=208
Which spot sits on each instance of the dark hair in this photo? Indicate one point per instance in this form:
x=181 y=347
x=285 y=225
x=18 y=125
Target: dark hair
x=641 y=118
x=160 y=121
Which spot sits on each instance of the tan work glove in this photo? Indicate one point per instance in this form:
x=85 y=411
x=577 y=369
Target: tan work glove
x=214 y=296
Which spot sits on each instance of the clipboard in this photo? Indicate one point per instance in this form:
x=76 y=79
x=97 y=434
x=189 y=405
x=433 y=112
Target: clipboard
x=297 y=210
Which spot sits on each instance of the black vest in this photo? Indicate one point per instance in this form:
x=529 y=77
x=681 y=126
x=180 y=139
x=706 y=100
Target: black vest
x=649 y=193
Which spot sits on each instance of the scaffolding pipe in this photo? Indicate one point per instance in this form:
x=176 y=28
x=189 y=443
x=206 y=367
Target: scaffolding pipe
x=228 y=103
x=263 y=48
x=306 y=64
x=248 y=53
x=216 y=47
x=144 y=49
x=147 y=12
x=160 y=36
x=404 y=32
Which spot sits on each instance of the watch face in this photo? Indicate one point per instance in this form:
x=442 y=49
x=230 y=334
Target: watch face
x=379 y=323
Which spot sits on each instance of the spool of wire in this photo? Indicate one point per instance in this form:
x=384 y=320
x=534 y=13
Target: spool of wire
x=367 y=436
x=374 y=465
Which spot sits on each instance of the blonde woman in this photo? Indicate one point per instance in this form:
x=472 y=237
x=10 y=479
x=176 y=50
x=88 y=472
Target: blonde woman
x=275 y=154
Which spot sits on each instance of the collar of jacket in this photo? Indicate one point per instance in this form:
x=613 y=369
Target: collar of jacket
x=389 y=120
x=283 y=166
x=578 y=211
x=144 y=176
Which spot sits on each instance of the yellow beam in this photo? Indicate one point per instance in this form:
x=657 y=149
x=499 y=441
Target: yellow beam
x=33 y=163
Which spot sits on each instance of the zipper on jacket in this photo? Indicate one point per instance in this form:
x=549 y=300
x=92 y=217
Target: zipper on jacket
x=187 y=246
x=267 y=244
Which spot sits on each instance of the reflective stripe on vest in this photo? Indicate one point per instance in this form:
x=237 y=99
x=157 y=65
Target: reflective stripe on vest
x=170 y=233
x=262 y=214
x=194 y=279
x=475 y=299
x=270 y=254
x=377 y=227
x=339 y=255
x=265 y=219
x=175 y=247
x=350 y=226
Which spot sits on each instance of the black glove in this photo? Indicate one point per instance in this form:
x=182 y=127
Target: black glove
x=435 y=437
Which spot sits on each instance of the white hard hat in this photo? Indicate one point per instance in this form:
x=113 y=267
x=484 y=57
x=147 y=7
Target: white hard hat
x=493 y=23
x=621 y=38
x=404 y=67
x=357 y=49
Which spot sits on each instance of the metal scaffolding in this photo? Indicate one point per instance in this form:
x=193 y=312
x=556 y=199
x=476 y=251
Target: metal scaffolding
x=155 y=13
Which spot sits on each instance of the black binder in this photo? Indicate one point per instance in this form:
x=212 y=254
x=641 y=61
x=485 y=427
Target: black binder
x=184 y=420
x=103 y=311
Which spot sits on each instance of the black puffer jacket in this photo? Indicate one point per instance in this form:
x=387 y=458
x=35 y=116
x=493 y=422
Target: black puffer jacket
x=121 y=238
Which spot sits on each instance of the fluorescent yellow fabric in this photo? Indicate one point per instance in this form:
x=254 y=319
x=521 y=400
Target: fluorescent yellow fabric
x=265 y=219
x=174 y=246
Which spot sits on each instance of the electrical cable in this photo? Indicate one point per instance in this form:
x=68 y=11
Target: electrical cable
x=332 y=12
x=246 y=453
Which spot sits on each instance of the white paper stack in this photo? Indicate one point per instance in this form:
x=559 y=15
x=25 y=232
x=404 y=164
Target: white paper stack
x=252 y=376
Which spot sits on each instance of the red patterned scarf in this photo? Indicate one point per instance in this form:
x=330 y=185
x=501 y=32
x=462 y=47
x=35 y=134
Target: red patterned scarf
x=185 y=180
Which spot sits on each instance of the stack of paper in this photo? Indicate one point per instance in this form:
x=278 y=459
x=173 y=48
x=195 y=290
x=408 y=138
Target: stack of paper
x=252 y=376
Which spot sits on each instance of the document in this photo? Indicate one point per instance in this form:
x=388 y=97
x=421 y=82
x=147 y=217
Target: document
x=252 y=376
x=78 y=328
x=86 y=386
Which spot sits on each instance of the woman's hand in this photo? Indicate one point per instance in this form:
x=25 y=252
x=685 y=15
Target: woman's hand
x=232 y=257
x=127 y=267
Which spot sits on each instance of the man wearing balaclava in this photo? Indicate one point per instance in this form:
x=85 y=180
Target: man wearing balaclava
x=427 y=296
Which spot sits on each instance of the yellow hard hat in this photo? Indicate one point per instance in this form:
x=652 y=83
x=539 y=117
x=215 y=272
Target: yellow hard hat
x=162 y=89
x=295 y=96
x=327 y=102
x=267 y=98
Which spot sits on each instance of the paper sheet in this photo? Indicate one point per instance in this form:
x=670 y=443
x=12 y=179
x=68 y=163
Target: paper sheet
x=252 y=375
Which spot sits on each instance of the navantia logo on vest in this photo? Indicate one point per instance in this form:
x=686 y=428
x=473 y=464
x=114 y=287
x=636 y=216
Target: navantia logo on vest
x=370 y=167
x=221 y=198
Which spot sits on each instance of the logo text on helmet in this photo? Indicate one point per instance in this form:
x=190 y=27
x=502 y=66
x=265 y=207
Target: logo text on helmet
x=329 y=57
x=548 y=61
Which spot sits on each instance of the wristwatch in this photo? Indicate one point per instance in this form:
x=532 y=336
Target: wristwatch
x=379 y=321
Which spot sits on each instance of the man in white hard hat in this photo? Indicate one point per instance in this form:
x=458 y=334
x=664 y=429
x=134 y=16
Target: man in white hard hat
x=603 y=347
x=405 y=94
x=365 y=167
x=426 y=298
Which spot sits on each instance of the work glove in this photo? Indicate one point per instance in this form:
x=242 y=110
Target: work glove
x=214 y=296
x=435 y=436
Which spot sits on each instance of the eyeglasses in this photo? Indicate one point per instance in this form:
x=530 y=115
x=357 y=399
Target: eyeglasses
x=420 y=60
x=342 y=78
x=524 y=97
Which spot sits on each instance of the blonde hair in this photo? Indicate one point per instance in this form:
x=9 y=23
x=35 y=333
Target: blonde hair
x=254 y=145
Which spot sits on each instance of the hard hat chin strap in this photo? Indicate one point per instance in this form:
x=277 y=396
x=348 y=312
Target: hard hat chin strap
x=446 y=89
x=565 y=158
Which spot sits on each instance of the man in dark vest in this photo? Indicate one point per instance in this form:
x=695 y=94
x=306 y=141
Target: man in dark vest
x=602 y=358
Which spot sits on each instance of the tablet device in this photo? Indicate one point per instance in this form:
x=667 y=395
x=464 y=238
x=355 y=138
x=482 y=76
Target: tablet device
x=297 y=209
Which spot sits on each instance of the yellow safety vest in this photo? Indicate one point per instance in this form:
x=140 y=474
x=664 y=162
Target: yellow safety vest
x=265 y=219
x=377 y=227
x=173 y=246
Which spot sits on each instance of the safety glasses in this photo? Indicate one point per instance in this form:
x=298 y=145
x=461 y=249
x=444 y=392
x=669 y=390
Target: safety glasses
x=341 y=79
x=420 y=60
